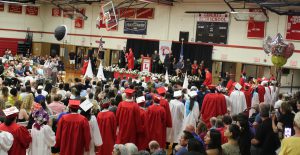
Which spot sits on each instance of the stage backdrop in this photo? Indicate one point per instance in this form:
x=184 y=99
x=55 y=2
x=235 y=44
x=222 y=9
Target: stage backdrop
x=192 y=51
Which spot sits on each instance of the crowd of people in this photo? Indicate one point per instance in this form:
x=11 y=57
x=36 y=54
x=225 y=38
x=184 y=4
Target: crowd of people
x=41 y=114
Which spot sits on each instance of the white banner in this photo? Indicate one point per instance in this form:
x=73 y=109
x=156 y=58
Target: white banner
x=164 y=48
x=213 y=17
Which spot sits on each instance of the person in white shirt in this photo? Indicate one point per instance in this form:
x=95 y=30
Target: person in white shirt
x=278 y=103
x=43 y=138
x=44 y=93
x=6 y=141
x=61 y=90
x=238 y=100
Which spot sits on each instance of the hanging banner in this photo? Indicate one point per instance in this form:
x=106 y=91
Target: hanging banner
x=56 y=12
x=144 y=13
x=32 y=10
x=256 y=29
x=14 y=8
x=135 y=27
x=127 y=12
x=293 y=28
x=79 y=21
x=164 y=49
x=213 y=17
x=1 y=6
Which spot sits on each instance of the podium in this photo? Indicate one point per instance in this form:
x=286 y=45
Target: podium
x=146 y=64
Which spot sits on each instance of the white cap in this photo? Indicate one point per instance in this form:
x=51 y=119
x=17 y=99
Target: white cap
x=40 y=87
x=194 y=88
x=154 y=78
x=192 y=93
x=140 y=99
x=10 y=111
x=177 y=93
x=238 y=86
x=264 y=83
x=86 y=105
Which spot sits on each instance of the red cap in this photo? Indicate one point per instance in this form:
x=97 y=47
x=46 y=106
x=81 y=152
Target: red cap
x=161 y=90
x=129 y=92
x=211 y=86
x=247 y=85
x=156 y=98
x=74 y=104
x=259 y=80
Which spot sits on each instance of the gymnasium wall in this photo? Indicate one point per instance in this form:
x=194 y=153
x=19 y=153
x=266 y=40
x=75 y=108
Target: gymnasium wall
x=166 y=25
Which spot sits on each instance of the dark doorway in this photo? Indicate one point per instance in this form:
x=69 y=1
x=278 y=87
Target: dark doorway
x=54 y=50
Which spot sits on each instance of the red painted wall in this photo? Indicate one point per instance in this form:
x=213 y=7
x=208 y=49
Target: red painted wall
x=10 y=43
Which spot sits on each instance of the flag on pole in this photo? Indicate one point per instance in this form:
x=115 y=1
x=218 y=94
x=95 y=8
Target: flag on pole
x=89 y=71
x=167 y=78
x=186 y=81
x=181 y=51
x=100 y=74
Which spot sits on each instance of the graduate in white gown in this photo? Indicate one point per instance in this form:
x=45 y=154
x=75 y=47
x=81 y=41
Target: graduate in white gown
x=191 y=111
x=267 y=97
x=43 y=138
x=238 y=100
x=6 y=141
x=177 y=113
x=96 y=139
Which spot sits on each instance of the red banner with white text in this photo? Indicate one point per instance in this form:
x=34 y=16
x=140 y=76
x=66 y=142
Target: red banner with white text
x=256 y=29
x=293 y=28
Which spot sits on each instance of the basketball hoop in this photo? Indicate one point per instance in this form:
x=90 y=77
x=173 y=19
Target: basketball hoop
x=109 y=15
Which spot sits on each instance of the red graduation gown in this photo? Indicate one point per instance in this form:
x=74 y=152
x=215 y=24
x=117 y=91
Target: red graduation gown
x=84 y=67
x=242 y=81
x=157 y=124
x=165 y=104
x=213 y=105
x=22 y=138
x=130 y=59
x=128 y=120
x=261 y=93
x=248 y=97
x=143 y=137
x=208 y=79
x=108 y=126
x=73 y=134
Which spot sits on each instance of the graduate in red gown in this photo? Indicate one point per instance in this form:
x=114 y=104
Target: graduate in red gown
x=214 y=104
x=195 y=67
x=248 y=94
x=243 y=78
x=128 y=119
x=165 y=104
x=22 y=137
x=157 y=121
x=73 y=132
x=230 y=87
x=143 y=137
x=130 y=59
x=208 y=77
x=108 y=126
x=261 y=91
x=84 y=67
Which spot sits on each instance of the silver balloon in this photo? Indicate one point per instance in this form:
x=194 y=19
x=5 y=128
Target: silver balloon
x=267 y=45
x=278 y=46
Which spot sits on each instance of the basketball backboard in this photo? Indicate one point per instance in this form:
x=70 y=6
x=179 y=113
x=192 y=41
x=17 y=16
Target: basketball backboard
x=247 y=16
x=109 y=15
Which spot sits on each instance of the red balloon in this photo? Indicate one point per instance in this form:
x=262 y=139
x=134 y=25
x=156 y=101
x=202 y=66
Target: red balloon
x=289 y=50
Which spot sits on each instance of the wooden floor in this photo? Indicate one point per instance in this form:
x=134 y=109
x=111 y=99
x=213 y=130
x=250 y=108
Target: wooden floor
x=72 y=73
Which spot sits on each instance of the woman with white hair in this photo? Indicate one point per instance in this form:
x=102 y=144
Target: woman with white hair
x=131 y=148
x=120 y=149
x=291 y=145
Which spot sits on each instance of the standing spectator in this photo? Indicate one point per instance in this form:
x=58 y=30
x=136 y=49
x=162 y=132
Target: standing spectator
x=245 y=135
x=56 y=106
x=232 y=147
x=72 y=58
x=291 y=145
x=278 y=103
x=183 y=142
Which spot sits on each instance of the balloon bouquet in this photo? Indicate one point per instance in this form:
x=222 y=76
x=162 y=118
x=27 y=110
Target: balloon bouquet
x=279 y=49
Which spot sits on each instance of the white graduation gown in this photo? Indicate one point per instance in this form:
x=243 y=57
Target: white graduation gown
x=177 y=113
x=255 y=100
x=95 y=134
x=228 y=102
x=190 y=117
x=238 y=102
x=267 y=97
x=42 y=140
x=6 y=141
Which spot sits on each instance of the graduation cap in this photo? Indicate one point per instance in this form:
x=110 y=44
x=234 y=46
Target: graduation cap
x=237 y=86
x=156 y=98
x=129 y=92
x=140 y=99
x=86 y=105
x=161 y=90
x=11 y=112
x=105 y=103
x=211 y=86
x=40 y=87
x=74 y=104
x=192 y=94
x=177 y=93
x=247 y=85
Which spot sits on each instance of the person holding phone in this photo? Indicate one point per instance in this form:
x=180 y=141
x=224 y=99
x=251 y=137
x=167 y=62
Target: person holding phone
x=291 y=145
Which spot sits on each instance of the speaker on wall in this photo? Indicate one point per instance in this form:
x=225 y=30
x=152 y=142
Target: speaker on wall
x=184 y=35
x=285 y=71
